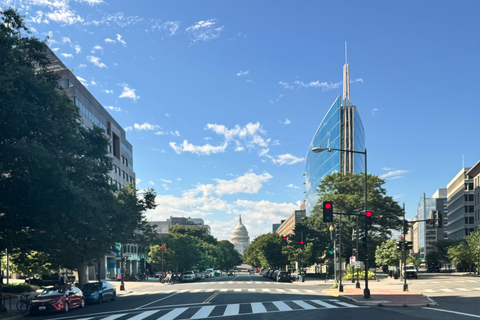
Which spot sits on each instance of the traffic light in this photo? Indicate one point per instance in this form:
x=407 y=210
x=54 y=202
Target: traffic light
x=408 y=245
x=405 y=227
x=354 y=252
x=368 y=220
x=284 y=241
x=327 y=211
x=400 y=245
x=437 y=219
x=337 y=231
x=301 y=244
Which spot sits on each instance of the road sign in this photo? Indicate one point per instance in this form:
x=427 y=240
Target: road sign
x=117 y=245
x=358 y=264
x=352 y=260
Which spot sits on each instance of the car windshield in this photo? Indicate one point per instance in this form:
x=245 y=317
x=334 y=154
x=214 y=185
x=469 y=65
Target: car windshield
x=52 y=291
x=92 y=286
x=188 y=272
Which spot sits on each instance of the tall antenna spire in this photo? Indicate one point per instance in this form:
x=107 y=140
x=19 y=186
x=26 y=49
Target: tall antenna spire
x=346 y=80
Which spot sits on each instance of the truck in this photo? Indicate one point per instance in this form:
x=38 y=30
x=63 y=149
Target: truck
x=410 y=271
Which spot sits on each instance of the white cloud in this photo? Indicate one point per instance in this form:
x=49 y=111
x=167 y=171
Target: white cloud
x=242 y=73
x=250 y=135
x=317 y=84
x=374 y=111
x=33 y=30
x=287 y=121
x=82 y=65
x=205 y=201
x=117 y=109
x=128 y=92
x=291 y=185
x=394 y=174
x=66 y=39
x=164 y=180
x=108 y=40
x=204 y=150
x=107 y=91
x=97 y=48
x=142 y=127
x=93 y=83
x=119 y=39
x=204 y=31
x=285 y=85
x=151 y=183
x=67 y=55
x=96 y=61
x=83 y=81
x=286 y=159
x=78 y=49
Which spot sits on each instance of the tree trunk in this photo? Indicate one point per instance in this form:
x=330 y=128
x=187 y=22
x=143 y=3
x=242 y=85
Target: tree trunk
x=82 y=274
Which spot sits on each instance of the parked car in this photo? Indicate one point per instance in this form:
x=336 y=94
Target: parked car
x=273 y=275
x=284 y=276
x=188 y=276
x=208 y=274
x=217 y=273
x=58 y=298
x=231 y=273
x=99 y=292
x=267 y=273
x=159 y=274
x=410 y=272
x=433 y=268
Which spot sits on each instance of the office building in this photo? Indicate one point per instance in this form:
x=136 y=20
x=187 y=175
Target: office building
x=460 y=204
x=427 y=235
x=288 y=225
x=120 y=150
x=341 y=128
x=474 y=174
x=161 y=227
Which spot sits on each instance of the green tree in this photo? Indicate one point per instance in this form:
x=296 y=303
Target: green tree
x=387 y=254
x=460 y=253
x=266 y=251
x=30 y=263
x=228 y=257
x=54 y=192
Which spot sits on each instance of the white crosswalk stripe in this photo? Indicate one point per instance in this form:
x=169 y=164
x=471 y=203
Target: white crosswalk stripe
x=232 y=310
x=281 y=306
x=204 y=312
x=144 y=315
x=446 y=290
x=429 y=290
x=258 y=307
x=303 y=304
x=462 y=289
x=173 y=314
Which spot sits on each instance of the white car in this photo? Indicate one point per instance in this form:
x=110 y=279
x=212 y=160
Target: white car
x=188 y=276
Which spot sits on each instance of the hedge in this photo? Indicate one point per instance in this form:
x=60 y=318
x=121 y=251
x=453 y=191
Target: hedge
x=16 y=288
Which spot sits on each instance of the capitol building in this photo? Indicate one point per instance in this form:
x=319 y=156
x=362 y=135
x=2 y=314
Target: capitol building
x=240 y=238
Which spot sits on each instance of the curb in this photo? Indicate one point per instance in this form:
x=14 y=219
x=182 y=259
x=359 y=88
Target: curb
x=385 y=303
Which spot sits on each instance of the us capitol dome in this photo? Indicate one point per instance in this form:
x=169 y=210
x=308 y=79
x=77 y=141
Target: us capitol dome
x=240 y=238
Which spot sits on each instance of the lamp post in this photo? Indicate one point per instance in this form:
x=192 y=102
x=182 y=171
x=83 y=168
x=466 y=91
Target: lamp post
x=366 y=291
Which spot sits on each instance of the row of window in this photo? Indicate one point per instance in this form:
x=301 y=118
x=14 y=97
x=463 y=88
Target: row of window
x=89 y=114
x=128 y=151
x=477 y=215
x=122 y=173
x=468 y=197
x=469 y=186
x=133 y=249
x=469 y=220
x=469 y=208
x=468 y=231
x=116 y=183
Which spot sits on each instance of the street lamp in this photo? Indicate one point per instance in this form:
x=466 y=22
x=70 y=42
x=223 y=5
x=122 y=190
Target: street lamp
x=366 y=291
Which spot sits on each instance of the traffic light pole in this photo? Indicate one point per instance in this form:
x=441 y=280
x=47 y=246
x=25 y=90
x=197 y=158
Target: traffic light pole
x=404 y=253
x=357 y=285
x=122 y=285
x=340 y=286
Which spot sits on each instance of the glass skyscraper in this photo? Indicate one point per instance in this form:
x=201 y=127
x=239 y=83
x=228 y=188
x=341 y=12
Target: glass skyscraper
x=341 y=128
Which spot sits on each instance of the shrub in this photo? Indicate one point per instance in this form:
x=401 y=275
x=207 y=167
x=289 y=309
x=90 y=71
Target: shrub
x=16 y=288
x=361 y=275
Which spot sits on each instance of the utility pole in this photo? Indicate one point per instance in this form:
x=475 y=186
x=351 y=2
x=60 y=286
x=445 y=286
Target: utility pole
x=340 y=286
x=404 y=255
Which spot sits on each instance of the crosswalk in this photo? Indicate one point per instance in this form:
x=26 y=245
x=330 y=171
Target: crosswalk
x=439 y=290
x=210 y=311
x=223 y=290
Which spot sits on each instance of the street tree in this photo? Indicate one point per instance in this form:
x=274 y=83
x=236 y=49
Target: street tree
x=266 y=251
x=387 y=254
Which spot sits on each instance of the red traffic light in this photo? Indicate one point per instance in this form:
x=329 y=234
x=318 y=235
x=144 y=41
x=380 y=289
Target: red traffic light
x=301 y=242
x=284 y=238
x=328 y=205
x=163 y=248
x=368 y=214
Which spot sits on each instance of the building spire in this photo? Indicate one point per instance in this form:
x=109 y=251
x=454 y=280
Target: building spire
x=346 y=80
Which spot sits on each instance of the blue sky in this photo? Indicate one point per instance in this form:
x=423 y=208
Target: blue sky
x=220 y=99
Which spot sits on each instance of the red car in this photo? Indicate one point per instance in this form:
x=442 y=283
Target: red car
x=58 y=298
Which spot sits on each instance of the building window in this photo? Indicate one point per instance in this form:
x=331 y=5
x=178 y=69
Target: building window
x=470 y=208
x=470 y=197
x=470 y=220
x=116 y=146
x=466 y=220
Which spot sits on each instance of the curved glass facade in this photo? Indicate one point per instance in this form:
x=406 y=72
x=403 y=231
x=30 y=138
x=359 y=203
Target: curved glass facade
x=329 y=134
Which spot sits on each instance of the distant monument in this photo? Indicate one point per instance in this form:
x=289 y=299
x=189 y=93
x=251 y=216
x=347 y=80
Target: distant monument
x=240 y=238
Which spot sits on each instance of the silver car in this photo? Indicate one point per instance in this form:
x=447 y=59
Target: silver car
x=188 y=276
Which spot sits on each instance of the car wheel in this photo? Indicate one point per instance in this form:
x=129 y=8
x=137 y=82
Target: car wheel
x=82 y=304
x=114 y=296
x=66 y=307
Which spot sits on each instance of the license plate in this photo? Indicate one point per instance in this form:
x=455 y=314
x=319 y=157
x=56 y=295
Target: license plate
x=42 y=308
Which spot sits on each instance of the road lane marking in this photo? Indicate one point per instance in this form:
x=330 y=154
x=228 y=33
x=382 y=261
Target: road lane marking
x=446 y=290
x=281 y=290
x=143 y=315
x=294 y=290
x=173 y=314
x=204 y=312
x=266 y=290
x=223 y=290
x=476 y=288
x=462 y=289
x=312 y=291
x=455 y=312
x=209 y=299
x=324 y=304
x=251 y=290
x=258 y=307
x=303 y=304
x=113 y=317
x=196 y=290
x=281 y=306
x=157 y=300
x=232 y=310
x=237 y=290
x=429 y=290
x=347 y=304
x=209 y=290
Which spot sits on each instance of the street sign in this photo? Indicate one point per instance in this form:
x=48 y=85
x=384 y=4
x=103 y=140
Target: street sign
x=358 y=264
x=352 y=260
x=117 y=245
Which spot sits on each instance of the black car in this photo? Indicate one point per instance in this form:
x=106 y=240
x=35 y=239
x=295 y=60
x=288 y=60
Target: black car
x=433 y=269
x=284 y=276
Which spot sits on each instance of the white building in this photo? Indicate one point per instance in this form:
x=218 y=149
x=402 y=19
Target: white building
x=240 y=238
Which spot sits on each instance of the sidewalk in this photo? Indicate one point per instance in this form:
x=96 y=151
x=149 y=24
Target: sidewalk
x=383 y=292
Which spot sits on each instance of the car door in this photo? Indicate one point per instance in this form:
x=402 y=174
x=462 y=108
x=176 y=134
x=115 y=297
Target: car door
x=107 y=290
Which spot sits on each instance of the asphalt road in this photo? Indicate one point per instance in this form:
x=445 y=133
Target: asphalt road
x=239 y=297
